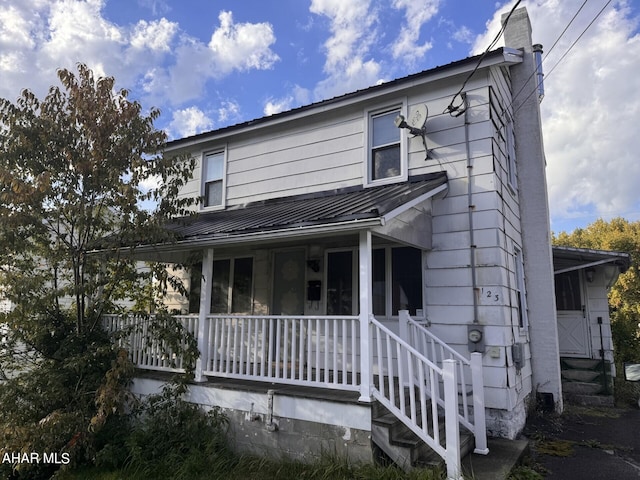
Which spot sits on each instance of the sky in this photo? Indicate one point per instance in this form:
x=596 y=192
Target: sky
x=207 y=64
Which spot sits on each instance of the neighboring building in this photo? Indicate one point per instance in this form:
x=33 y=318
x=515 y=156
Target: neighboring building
x=324 y=228
x=582 y=281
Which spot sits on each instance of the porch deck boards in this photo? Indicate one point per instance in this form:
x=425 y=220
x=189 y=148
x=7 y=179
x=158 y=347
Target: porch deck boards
x=318 y=393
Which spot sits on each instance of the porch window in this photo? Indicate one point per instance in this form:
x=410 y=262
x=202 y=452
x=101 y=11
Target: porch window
x=384 y=160
x=397 y=280
x=213 y=175
x=231 y=287
x=341 y=283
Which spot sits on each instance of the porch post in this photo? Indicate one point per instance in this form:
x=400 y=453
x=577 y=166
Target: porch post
x=366 y=309
x=452 y=427
x=205 y=307
x=479 y=421
x=403 y=332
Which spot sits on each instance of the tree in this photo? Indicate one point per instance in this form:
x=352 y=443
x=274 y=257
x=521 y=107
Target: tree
x=73 y=171
x=624 y=298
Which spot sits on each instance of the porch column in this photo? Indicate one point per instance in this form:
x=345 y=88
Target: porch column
x=366 y=309
x=205 y=307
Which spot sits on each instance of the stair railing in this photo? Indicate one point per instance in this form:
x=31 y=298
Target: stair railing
x=437 y=351
x=400 y=370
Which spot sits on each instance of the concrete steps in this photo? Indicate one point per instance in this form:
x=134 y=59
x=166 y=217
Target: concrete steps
x=585 y=383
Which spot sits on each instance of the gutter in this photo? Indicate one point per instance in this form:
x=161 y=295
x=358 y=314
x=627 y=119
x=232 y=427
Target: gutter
x=265 y=236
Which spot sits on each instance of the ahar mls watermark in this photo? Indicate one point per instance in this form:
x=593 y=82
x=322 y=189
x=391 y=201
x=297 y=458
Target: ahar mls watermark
x=54 y=458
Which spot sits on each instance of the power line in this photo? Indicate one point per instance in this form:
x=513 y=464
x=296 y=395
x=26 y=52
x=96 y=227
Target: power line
x=566 y=53
x=451 y=108
x=546 y=56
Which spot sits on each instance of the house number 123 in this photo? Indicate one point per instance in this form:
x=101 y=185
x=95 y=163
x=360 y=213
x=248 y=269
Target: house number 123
x=490 y=294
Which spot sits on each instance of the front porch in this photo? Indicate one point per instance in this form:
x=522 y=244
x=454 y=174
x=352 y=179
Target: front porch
x=288 y=367
x=323 y=292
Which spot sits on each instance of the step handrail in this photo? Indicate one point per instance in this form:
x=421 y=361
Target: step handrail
x=422 y=339
x=422 y=378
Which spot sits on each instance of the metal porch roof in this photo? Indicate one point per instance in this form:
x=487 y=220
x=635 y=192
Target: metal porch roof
x=327 y=208
x=566 y=259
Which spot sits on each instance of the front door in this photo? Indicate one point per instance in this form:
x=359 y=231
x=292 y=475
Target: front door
x=573 y=325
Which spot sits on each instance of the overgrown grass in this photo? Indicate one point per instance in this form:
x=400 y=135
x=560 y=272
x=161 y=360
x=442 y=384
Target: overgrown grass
x=245 y=467
x=170 y=438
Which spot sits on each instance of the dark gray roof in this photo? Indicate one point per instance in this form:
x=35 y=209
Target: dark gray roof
x=567 y=257
x=319 y=209
x=323 y=103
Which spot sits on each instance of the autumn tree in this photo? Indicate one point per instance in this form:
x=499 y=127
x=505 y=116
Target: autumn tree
x=624 y=298
x=76 y=170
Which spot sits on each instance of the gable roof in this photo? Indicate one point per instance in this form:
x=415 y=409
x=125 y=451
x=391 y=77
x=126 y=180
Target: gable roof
x=328 y=211
x=498 y=56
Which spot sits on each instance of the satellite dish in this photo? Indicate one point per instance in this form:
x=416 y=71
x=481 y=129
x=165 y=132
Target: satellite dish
x=417 y=116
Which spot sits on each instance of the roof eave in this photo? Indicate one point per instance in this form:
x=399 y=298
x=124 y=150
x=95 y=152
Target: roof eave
x=502 y=56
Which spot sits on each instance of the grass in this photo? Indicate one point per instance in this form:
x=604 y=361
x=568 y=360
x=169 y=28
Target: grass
x=246 y=467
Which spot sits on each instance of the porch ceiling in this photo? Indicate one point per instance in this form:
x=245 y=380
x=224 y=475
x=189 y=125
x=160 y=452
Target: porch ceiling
x=324 y=212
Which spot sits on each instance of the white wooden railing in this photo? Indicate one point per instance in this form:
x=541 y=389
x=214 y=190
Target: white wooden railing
x=312 y=351
x=146 y=350
x=469 y=377
x=414 y=375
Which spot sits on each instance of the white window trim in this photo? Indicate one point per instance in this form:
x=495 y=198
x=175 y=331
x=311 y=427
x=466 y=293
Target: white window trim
x=512 y=170
x=400 y=105
x=203 y=182
x=520 y=286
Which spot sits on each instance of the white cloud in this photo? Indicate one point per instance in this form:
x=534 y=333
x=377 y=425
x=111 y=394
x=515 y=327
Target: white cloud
x=156 y=36
x=189 y=121
x=156 y=56
x=406 y=47
x=229 y=111
x=353 y=31
x=591 y=107
x=242 y=46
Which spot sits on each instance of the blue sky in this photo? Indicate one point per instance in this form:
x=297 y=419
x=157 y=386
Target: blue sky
x=208 y=64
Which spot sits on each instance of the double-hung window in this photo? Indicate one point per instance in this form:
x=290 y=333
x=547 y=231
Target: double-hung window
x=521 y=298
x=213 y=175
x=384 y=158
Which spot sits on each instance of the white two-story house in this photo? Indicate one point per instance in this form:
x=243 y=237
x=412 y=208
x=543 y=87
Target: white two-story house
x=388 y=249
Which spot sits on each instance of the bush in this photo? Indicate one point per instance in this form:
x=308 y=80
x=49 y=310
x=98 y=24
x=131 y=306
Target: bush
x=174 y=438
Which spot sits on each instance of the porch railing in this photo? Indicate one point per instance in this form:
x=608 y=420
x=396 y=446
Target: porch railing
x=414 y=375
x=301 y=350
x=146 y=350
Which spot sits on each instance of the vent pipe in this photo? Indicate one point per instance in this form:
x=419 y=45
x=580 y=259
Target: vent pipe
x=537 y=55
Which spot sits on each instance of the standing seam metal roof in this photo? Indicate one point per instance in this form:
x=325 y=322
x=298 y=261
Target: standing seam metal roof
x=323 y=208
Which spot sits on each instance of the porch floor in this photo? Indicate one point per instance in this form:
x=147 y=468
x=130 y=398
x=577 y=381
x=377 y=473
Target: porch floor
x=329 y=394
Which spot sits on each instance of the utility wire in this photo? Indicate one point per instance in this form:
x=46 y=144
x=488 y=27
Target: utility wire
x=545 y=57
x=567 y=52
x=451 y=108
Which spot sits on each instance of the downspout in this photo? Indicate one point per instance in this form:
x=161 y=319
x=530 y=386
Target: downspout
x=475 y=330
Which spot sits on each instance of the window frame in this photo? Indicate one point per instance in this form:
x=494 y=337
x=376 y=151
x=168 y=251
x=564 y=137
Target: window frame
x=401 y=108
x=222 y=180
x=194 y=301
x=510 y=147
x=520 y=290
x=355 y=278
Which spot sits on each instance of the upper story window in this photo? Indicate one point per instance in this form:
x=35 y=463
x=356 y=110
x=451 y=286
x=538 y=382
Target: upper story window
x=385 y=160
x=511 y=154
x=213 y=179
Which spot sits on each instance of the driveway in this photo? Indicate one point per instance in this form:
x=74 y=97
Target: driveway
x=586 y=443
